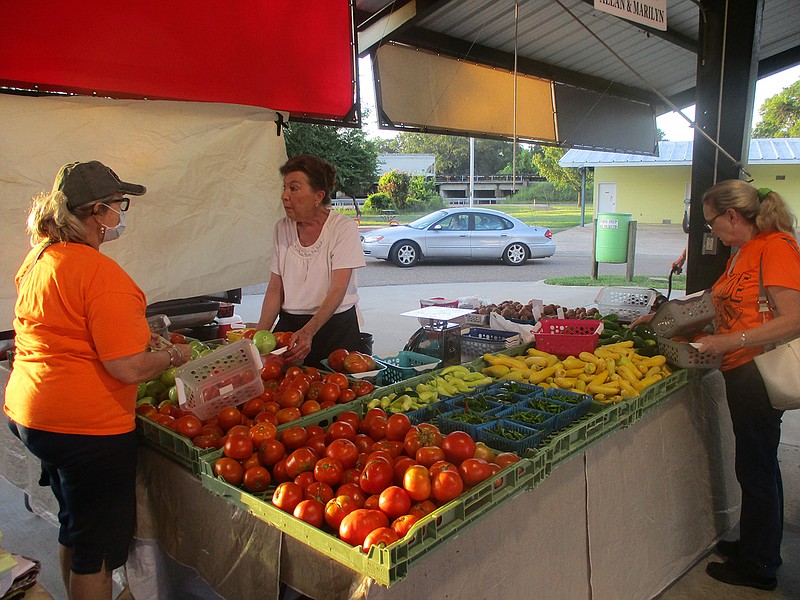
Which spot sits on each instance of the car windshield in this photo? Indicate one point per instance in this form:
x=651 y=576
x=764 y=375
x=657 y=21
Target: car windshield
x=427 y=220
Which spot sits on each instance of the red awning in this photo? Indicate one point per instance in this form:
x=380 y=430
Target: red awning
x=289 y=55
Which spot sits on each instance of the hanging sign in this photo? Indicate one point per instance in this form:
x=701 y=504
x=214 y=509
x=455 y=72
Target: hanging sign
x=652 y=13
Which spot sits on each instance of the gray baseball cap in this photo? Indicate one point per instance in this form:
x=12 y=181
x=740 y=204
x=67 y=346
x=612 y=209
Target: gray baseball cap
x=84 y=182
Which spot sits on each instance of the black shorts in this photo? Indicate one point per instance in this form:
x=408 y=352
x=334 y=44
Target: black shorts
x=93 y=478
x=341 y=331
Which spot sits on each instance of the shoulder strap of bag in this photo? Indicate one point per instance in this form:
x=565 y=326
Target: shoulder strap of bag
x=45 y=245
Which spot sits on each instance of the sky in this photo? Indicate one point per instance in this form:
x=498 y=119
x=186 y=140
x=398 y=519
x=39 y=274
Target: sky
x=672 y=124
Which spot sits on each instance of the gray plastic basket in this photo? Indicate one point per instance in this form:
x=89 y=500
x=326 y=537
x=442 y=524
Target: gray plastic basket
x=628 y=302
x=683 y=316
x=686 y=356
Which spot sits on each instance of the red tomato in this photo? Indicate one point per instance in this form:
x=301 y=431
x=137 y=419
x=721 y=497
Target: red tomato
x=351 y=476
x=338 y=379
x=256 y=479
x=189 y=426
x=394 y=501
x=299 y=461
x=364 y=443
x=372 y=502
x=229 y=417
x=279 y=471
x=287 y=496
x=391 y=447
x=421 y=509
x=214 y=430
x=147 y=410
x=336 y=510
x=271 y=371
x=336 y=359
x=329 y=470
x=506 y=458
x=271 y=406
x=230 y=470
x=329 y=392
x=271 y=451
x=458 y=446
x=239 y=430
x=250 y=461
x=344 y=451
x=346 y=396
x=376 y=476
x=282 y=338
x=357 y=525
x=427 y=455
x=354 y=363
x=319 y=491
x=293 y=372
x=310 y=511
x=262 y=431
x=341 y=429
x=417 y=482
x=302 y=382
x=238 y=446
x=313 y=373
x=252 y=407
x=442 y=465
x=286 y=415
x=309 y=406
x=291 y=397
x=314 y=429
x=421 y=435
x=397 y=426
x=403 y=523
x=177 y=338
x=446 y=485
x=305 y=479
x=317 y=443
x=474 y=470
x=376 y=428
x=371 y=414
x=266 y=417
x=205 y=441
x=382 y=454
x=293 y=437
x=400 y=466
x=382 y=535
x=351 y=417
x=313 y=391
x=354 y=491
x=363 y=388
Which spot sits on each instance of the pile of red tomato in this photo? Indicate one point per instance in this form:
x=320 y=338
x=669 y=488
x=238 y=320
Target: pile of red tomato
x=289 y=393
x=366 y=480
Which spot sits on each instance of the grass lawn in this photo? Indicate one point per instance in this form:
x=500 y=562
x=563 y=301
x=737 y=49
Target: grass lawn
x=678 y=281
x=555 y=216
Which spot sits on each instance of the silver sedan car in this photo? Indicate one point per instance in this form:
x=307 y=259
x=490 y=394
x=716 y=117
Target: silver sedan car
x=479 y=233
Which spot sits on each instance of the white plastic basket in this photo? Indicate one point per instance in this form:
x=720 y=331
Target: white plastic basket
x=628 y=302
x=683 y=316
x=229 y=375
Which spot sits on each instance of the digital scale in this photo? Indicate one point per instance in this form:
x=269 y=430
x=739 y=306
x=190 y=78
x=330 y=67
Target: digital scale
x=438 y=337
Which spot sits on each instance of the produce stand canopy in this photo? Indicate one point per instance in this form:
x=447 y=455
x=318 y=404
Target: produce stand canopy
x=289 y=55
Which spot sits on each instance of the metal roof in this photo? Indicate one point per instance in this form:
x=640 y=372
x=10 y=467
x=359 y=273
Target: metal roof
x=553 y=41
x=777 y=151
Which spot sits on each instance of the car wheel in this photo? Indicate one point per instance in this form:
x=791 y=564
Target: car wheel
x=405 y=254
x=515 y=254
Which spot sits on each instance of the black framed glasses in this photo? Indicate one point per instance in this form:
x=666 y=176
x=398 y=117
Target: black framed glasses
x=124 y=203
x=710 y=224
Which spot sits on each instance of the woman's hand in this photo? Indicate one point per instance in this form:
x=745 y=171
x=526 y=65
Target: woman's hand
x=298 y=348
x=719 y=344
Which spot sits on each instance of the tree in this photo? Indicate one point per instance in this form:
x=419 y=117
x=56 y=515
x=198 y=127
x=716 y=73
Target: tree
x=560 y=177
x=354 y=156
x=395 y=185
x=780 y=114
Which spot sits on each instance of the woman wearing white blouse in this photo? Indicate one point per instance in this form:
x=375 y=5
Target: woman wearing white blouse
x=313 y=289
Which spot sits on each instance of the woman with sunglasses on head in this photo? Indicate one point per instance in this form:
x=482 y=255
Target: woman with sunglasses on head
x=760 y=224
x=82 y=344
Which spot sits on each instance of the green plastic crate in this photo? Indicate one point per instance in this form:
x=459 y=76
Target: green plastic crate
x=405 y=365
x=171 y=444
x=388 y=565
x=654 y=394
x=600 y=421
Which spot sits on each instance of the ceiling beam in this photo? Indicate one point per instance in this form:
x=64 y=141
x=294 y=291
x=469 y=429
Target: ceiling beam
x=670 y=35
x=463 y=50
x=376 y=28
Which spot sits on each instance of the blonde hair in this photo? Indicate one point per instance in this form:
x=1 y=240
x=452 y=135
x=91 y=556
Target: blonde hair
x=50 y=219
x=765 y=208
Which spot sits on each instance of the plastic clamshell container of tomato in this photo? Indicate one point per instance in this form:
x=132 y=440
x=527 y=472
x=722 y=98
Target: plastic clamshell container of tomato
x=370 y=376
x=388 y=565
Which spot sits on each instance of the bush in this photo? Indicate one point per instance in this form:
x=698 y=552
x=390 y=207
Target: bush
x=377 y=202
x=546 y=193
x=395 y=185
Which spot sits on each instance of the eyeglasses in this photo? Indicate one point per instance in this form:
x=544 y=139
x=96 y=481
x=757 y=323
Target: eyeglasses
x=710 y=224
x=123 y=205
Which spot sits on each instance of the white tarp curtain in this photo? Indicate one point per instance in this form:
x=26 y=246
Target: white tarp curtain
x=211 y=172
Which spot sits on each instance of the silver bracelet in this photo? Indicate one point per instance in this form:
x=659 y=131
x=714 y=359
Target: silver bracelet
x=744 y=340
x=173 y=358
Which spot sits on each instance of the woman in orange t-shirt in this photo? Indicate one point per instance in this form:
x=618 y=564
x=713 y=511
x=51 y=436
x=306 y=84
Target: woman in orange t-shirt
x=81 y=341
x=760 y=224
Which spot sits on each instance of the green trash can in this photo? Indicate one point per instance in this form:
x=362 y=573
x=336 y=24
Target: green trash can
x=611 y=237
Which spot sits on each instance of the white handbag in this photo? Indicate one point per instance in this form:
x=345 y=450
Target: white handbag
x=779 y=367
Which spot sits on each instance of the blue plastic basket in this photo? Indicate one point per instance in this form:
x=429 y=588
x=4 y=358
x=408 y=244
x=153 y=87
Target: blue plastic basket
x=547 y=420
x=404 y=365
x=532 y=437
x=447 y=424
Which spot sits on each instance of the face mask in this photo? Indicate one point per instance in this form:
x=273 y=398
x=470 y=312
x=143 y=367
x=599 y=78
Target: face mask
x=112 y=233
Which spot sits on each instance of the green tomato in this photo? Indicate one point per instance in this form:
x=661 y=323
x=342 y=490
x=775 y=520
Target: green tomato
x=264 y=341
x=173 y=394
x=168 y=376
x=146 y=400
x=141 y=392
x=155 y=388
